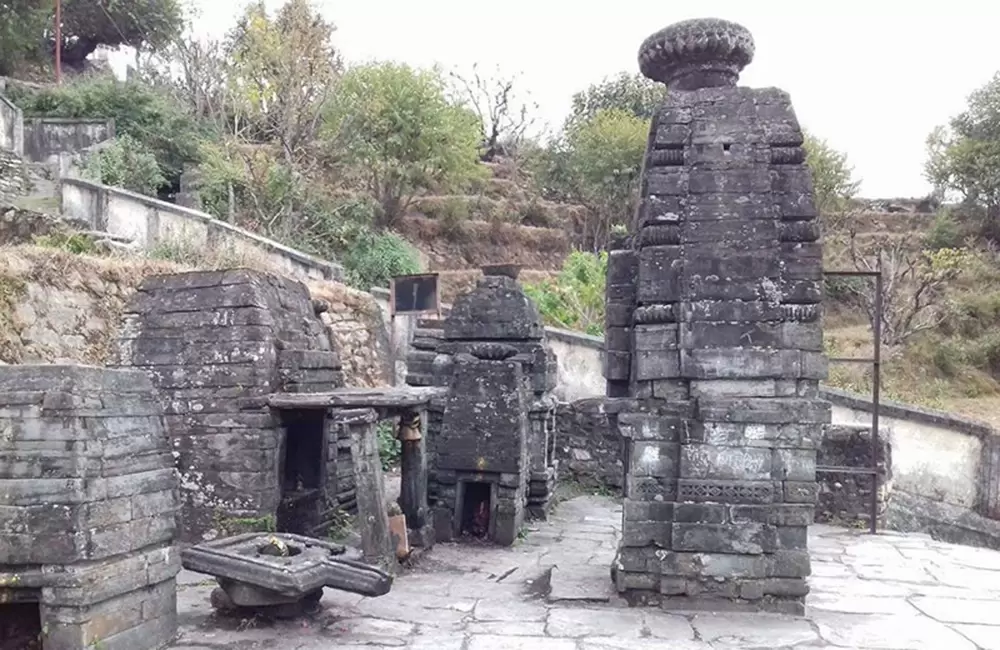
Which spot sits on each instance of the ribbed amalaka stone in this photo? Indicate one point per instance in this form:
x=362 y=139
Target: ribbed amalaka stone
x=719 y=323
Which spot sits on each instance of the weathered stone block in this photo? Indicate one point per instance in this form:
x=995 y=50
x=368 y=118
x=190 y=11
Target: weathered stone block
x=701 y=461
x=699 y=513
x=745 y=539
x=737 y=363
x=654 y=458
x=799 y=492
x=794 y=464
x=648 y=426
x=656 y=364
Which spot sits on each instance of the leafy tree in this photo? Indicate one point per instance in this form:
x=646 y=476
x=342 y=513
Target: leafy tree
x=139 y=111
x=281 y=72
x=964 y=157
x=394 y=127
x=574 y=299
x=598 y=164
x=87 y=24
x=631 y=93
x=833 y=176
x=128 y=164
x=22 y=23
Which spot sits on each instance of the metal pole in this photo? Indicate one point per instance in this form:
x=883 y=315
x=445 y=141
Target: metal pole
x=58 y=41
x=876 y=390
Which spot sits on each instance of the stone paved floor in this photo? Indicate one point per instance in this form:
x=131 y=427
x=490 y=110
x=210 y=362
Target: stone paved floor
x=890 y=592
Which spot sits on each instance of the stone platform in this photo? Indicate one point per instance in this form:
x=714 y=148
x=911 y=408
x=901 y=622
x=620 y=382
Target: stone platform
x=551 y=591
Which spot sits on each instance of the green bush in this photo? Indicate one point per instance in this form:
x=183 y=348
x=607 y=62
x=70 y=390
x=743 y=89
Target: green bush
x=373 y=258
x=390 y=449
x=575 y=298
x=945 y=232
x=128 y=164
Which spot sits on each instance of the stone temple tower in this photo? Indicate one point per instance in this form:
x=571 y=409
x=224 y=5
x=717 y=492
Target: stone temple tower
x=714 y=338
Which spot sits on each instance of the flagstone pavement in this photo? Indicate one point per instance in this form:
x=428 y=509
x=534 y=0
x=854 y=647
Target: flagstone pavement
x=552 y=591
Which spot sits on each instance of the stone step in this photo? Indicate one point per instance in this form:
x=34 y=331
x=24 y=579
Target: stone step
x=582 y=583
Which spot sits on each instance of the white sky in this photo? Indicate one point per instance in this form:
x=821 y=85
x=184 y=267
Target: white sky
x=871 y=77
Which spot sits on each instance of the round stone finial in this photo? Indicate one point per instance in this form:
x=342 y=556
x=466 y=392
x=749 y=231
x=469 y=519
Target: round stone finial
x=698 y=53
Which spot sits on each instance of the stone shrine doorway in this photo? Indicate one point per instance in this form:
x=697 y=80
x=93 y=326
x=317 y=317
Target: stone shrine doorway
x=20 y=626
x=476 y=503
x=303 y=471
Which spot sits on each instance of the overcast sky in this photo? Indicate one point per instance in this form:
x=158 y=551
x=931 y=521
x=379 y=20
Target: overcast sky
x=872 y=77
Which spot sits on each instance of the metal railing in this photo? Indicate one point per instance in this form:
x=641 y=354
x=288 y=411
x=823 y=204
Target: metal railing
x=876 y=363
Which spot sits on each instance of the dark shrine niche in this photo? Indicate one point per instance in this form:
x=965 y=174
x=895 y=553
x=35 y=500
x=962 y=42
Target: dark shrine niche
x=476 y=505
x=20 y=626
x=303 y=471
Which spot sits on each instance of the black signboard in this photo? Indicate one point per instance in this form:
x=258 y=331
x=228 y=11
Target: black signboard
x=414 y=294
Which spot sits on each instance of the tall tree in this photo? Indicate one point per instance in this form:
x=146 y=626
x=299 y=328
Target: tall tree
x=601 y=161
x=282 y=71
x=964 y=156
x=631 y=93
x=88 y=24
x=22 y=26
x=395 y=128
x=833 y=176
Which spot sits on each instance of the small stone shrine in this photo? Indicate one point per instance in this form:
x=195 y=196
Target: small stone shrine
x=491 y=439
x=217 y=344
x=713 y=330
x=88 y=500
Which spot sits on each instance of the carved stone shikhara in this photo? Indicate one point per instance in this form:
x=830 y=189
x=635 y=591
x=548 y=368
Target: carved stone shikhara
x=713 y=338
x=491 y=439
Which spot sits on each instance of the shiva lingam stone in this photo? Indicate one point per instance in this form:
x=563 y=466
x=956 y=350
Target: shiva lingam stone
x=279 y=574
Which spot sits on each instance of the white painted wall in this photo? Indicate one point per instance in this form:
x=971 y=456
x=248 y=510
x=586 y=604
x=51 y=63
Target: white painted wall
x=931 y=461
x=148 y=221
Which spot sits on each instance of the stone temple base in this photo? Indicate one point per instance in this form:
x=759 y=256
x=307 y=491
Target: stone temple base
x=87 y=510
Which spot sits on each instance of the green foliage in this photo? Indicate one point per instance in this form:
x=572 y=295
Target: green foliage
x=631 y=93
x=279 y=72
x=139 y=111
x=964 y=157
x=22 y=23
x=87 y=24
x=75 y=243
x=128 y=164
x=575 y=298
x=395 y=128
x=374 y=257
x=390 y=449
x=602 y=163
x=833 y=177
x=945 y=232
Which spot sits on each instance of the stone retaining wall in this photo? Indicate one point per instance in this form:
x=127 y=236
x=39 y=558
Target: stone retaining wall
x=845 y=499
x=12 y=182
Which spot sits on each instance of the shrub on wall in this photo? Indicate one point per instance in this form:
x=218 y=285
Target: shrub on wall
x=128 y=164
x=575 y=298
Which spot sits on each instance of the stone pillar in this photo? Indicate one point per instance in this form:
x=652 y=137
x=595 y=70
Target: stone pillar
x=726 y=343
x=413 y=484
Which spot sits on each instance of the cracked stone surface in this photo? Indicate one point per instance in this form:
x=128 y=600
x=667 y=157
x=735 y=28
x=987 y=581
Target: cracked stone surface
x=888 y=592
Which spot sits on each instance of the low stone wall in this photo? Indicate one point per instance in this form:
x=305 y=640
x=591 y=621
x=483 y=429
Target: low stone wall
x=588 y=445
x=57 y=307
x=150 y=223
x=11 y=176
x=45 y=138
x=945 y=469
x=844 y=498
